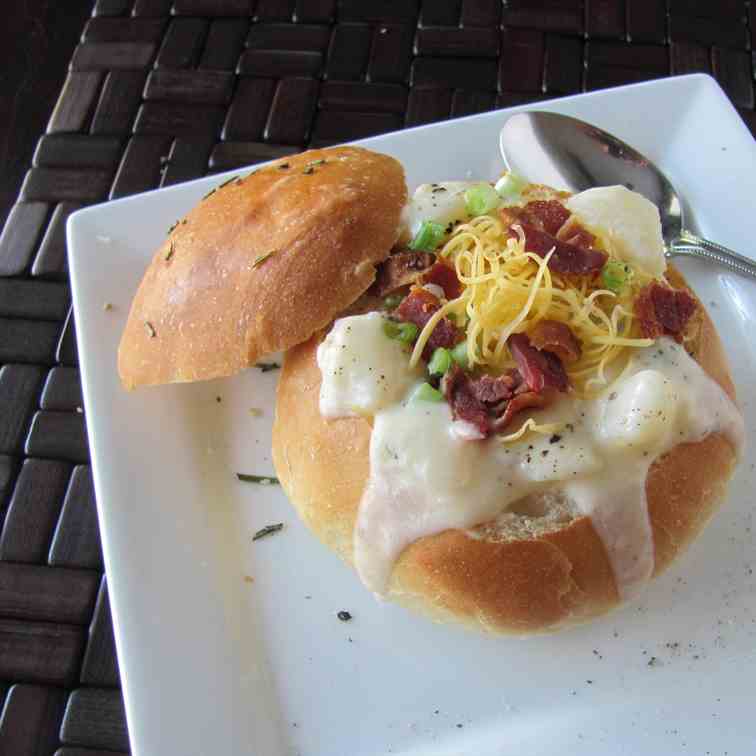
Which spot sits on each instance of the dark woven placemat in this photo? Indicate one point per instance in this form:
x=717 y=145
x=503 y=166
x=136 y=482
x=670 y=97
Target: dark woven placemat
x=160 y=92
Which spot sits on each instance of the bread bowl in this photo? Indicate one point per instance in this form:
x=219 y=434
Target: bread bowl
x=536 y=563
x=523 y=575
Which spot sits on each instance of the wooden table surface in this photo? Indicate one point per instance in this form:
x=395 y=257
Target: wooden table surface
x=161 y=91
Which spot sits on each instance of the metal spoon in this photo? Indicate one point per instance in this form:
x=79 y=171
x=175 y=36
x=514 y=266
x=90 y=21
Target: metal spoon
x=569 y=154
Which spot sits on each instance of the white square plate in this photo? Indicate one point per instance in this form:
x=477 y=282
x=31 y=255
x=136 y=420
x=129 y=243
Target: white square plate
x=232 y=647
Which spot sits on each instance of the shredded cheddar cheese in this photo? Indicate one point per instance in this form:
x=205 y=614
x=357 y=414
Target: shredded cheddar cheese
x=531 y=425
x=508 y=290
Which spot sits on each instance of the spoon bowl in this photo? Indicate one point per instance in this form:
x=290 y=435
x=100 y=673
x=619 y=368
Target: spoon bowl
x=572 y=155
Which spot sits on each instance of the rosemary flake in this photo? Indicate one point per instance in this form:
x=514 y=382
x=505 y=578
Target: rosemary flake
x=266 y=367
x=227 y=182
x=210 y=193
x=150 y=329
x=283 y=167
x=263 y=480
x=315 y=163
x=267 y=530
x=260 y=259
x=169 y=253
x=170 y=230
x=308 y=170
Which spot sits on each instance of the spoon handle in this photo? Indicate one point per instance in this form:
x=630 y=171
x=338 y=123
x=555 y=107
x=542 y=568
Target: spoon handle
x=695 y=246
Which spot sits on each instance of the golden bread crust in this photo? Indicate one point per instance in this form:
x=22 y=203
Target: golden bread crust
x=315 y=229
x=497 y=584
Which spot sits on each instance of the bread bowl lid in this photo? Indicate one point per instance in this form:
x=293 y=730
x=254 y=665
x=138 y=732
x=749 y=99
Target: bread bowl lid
x=261 y=263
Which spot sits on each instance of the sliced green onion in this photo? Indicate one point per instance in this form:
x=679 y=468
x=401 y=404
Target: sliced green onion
x=404 y=332
x=481 y=199
x=615 y=275
x=459 y=354
x=440 y=362
x=408 y=332
x=426 y=393
x=428 y=237
x=392 y=302
x=509 y=187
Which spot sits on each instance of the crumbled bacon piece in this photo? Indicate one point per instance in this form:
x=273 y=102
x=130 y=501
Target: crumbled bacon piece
x=573 y=233
x=541 y=370
x=577 y=236
x=556 y=337
x=518 y=403
x=488 y=402
x=445 y=334
x=456 y=387
x=445 y=276
x=663 y=311
x=567 y=258
x=418 y=308
x=509 y=216
x=549 y=225
x=547 y=215
x=400 y=269
x=495 y=388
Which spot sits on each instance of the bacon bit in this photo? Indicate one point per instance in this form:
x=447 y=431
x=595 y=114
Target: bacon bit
x=488 y=403
x=556 y=337
x=444 y=276
x=541 y=370
x=549 y=225
x=445 y=334
x=536 y=241
x=526 y=400
x=400 y=269
x=547 y=215
x=491 y=388
x=509 y=216
x=455 y=386
x=663 y=311
x=573 y=233
x=418 y=308
x=580 y=237
x=567 y=258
